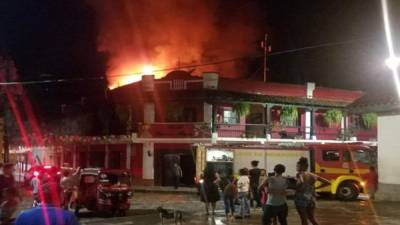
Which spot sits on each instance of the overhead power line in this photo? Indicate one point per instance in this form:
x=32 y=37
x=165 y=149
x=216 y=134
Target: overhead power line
x=65 y=80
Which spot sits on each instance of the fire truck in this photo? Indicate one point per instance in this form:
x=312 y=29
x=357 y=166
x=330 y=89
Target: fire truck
x=346 y=166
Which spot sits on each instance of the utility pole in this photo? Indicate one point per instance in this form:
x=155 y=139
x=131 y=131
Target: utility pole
x=265 y=46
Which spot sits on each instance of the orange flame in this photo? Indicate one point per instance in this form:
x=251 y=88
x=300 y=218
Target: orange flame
x=129 y=73
x=174 y=33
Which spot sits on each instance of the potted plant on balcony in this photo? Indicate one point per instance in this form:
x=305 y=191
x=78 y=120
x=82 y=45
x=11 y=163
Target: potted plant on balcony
x=333 y=117
x=369 y=120
x=241 y=109
x=289 y=115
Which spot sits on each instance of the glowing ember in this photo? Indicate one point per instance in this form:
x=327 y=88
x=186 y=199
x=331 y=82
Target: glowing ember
x=148 y=70
x=133 y=73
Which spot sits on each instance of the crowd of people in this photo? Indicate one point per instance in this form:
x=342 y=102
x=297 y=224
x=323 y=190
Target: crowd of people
x=252 y=188
x=256 y=188
x=48 y=199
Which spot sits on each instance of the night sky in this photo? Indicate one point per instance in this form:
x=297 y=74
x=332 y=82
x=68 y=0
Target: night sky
x=58 y=38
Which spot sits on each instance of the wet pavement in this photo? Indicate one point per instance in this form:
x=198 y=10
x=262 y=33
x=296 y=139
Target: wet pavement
x=328 y=212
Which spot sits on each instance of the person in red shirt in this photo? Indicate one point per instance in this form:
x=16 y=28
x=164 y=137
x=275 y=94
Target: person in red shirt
x=372 y=182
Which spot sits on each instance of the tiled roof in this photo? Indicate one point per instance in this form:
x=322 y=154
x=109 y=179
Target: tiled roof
x=287 y=90
x=252 y=90
x=375 y=103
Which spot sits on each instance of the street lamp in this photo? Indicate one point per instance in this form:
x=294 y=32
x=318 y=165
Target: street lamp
x=392 y=62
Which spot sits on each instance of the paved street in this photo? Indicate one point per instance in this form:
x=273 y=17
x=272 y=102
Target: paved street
x=329 y=212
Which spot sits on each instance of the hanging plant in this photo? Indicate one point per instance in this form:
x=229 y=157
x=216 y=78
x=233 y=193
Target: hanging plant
x=289 y=114
x=333 y=116
x=369 y=119
x=241 y=109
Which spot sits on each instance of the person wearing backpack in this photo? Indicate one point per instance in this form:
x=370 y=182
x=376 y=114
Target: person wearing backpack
x=229 y=193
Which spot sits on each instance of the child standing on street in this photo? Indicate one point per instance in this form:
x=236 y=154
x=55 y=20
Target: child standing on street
x=243 y=186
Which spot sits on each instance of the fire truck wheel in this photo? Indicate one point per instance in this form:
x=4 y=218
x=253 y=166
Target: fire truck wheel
x=348 y=191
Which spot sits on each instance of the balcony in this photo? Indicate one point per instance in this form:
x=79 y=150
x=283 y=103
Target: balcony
x=293 y=132
x=259 y=131
x=174 y=130
x=183 y=130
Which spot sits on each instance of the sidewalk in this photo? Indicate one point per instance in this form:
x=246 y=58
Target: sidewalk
x=162 y=189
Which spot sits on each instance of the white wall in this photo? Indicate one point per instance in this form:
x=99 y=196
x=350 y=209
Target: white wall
x=389 y=149
x=148 y=161
x=268 y=159
x=148 y=148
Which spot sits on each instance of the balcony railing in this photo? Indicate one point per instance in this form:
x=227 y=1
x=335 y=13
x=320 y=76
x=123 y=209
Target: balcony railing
x=174 y=130
x=293 y=132
x=203 y=130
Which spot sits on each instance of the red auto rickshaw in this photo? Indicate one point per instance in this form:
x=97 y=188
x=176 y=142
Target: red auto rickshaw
x=105 y=191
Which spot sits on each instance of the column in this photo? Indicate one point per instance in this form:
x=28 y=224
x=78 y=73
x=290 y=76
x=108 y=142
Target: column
x=148 y=161
x=312 y=128
x=106 y=156
x=149 y=113
x=148 y=147
x=214 y=132
x=213 y=118
x=343 y=130
x=309 y=124
x=62 y=157
x=207 y=113
x=88 y=156
x=268 y=108
x=74 y=157
x=128 y=156
x=268 y=120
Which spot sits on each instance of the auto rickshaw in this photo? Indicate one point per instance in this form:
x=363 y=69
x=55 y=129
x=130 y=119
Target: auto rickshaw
x=105 y=191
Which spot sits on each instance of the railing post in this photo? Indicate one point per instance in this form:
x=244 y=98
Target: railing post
x=213 y=118
x=312 y=122
x=74 y=156
x=214 y=133
x=309 y=123
x=106 y=156
x=267 y=120
x=344 y=125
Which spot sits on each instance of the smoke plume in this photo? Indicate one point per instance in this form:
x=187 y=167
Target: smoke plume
x=173 y=33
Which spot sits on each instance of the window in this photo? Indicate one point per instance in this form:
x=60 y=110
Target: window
x=330 y=155
x=230 y=117
x=219 y=156
x=361 y=156
x=346 y=156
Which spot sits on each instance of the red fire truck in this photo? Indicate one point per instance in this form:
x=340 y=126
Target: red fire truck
x=346 y=166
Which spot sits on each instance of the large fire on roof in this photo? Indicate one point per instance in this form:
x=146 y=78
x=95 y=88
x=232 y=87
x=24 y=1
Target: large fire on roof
x=173 y=34
x=131 y=73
